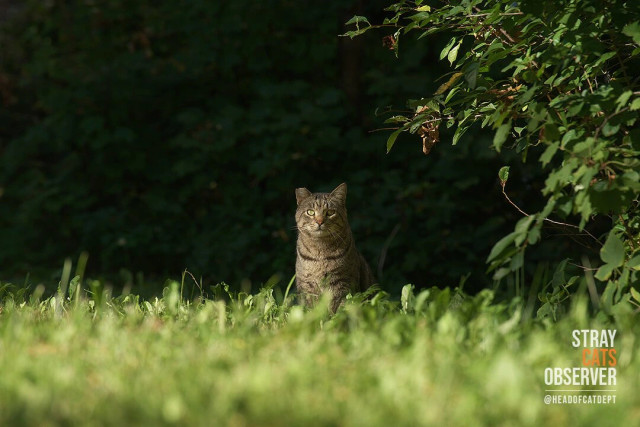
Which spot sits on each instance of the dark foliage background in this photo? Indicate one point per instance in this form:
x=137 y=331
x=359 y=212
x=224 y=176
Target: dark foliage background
x=159 y=136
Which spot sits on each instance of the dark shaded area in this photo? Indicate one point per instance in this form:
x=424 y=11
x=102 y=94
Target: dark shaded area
x=159 y=136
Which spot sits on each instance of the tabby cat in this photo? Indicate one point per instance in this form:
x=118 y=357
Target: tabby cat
x=327 y=258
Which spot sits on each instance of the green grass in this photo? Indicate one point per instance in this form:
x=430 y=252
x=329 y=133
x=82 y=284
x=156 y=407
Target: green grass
x=435 y=358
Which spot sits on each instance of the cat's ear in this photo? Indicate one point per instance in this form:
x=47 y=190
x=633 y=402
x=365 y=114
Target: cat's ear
x=340 y=193
x=301 y=194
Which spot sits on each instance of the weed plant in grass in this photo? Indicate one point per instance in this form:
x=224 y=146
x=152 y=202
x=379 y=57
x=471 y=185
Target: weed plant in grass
x=436 y=358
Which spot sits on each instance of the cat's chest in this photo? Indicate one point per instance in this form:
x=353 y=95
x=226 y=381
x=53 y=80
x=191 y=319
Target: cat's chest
x=316 y=260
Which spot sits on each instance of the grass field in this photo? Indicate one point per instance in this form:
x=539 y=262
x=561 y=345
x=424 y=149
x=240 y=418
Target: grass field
x=434 y=358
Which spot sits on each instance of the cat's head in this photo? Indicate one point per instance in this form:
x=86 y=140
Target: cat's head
x=323 y=215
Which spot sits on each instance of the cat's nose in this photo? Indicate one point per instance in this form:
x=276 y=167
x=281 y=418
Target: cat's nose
x=319 y=220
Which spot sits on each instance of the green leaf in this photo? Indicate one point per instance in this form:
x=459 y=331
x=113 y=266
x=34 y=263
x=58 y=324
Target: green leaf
x=546 y=310
x=503 y=174
x=397 y=119
x=548 y=154
x=501 y=273
x=632 y=30
x=447 y=48
x=613 y=251
x=357 y=20
x=417 y=19
x=635 y=294
x=407 y=297
x=551 y=132
x=471 y=74
x=392 y=139
x=607 y=296
x=605 y=57
x=558 y=279
x=623 y=99
x=517 y=261
x=501 y=135
x=453 y=53
x=73 y=286
x=534 y=235
x=604 y=272
x=635 y=105
x=610 y=129
x=424 y=9
x=450 y=94
x=460 y=130
x=622 y=282
x=575 y=109
x=634 y=263
x=526 y=97
x=522 y=228
x=502 y=244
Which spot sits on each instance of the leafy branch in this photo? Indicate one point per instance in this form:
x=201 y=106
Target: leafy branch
x=553 y=80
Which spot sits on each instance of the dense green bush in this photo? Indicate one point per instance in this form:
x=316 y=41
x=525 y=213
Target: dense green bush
x=558 y=82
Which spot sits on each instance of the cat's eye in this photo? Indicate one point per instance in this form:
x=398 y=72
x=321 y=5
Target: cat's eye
x=331 y=212
x=311 y=212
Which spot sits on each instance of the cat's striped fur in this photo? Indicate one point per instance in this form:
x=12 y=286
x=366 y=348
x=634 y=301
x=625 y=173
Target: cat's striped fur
x=327 y=259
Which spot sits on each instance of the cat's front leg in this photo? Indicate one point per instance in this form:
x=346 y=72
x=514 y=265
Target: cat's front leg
x=338 y=295
x=307 y=293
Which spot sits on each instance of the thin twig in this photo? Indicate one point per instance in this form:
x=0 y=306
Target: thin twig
x=385 y=248
x=381 y=129
x=511 y=39
x=564 y=224
x=582 y=267
x=199 y=285
x=473 y=15
x=591 y=284
x=509 y=200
